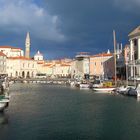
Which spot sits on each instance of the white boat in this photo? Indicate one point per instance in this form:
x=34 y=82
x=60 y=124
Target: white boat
x=138 y=91
x=3 y=103
x=84 y=86
x=72 y=84
x=123 y=89
x=97 y=83
x=2 y=106
x=134 y=91
x=104 y=90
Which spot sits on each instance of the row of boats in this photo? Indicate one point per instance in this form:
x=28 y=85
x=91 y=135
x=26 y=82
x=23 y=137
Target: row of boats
x=99 y=87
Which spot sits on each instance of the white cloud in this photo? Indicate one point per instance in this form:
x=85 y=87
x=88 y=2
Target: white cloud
x=21 y=15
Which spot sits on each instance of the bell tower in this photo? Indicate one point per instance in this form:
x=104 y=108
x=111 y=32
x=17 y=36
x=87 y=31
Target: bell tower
x=27 y=45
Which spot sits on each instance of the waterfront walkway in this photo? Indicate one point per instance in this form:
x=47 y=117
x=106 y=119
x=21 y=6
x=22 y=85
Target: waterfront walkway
x=64 y=80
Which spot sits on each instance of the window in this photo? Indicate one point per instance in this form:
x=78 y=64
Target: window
x=135 y=42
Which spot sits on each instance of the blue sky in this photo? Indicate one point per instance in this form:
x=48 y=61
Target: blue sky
x=61 y=28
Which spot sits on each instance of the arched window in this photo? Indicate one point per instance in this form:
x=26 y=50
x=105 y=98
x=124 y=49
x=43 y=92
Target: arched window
x=23 y=74
x=28 y=75
x=16 y=74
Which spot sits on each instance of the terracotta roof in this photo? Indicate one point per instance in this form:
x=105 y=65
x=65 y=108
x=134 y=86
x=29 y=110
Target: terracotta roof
x=20 y=57
x=66 y=65
x=51 y=65
x=2 y=54
x=47 y=64
x=102 y=55
x=40 y=62
x=57 y=62
x=135 y=32
x=9 y=47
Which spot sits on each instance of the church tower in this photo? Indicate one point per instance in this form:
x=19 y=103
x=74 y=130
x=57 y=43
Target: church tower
x=27 y=45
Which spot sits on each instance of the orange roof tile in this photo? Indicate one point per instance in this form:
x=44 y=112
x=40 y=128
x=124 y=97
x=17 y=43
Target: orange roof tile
x=47 y=65
x=2 y=54
x=65 y=65
x=40 y=62
x=9 y=47
x=20 y=57
x=102 y=55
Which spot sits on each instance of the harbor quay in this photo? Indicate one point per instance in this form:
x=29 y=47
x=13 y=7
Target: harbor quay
x=45 y=80
x=69 y=80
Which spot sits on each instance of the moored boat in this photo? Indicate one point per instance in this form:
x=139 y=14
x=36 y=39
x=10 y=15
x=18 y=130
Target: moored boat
x=84 y=86
x=104 y=90
x=123 y=90
x=134 y=91
x=4 y=101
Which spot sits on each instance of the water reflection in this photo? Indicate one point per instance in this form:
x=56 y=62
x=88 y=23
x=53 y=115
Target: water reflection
x=3 y=119
x=138 y=99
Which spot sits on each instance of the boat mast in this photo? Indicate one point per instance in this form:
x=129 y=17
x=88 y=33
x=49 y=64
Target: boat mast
x=114 y=37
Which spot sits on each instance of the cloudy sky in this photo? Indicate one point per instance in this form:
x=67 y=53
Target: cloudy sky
x=61 y=28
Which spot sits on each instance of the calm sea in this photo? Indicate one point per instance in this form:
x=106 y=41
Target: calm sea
x=52 y=112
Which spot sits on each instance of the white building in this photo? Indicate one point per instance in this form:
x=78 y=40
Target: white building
x=16 y=64
x=21 y=67
x=2 y=63
x=82 y=65
x=134 y=58
x=38 y=56
x=11 y=51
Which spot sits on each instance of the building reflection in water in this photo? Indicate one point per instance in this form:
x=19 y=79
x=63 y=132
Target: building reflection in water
x=3 y=119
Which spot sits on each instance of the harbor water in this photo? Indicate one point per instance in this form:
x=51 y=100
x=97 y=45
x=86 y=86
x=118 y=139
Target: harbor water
x=54 y=112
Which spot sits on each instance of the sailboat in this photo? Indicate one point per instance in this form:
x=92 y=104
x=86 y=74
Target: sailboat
x=108 y=89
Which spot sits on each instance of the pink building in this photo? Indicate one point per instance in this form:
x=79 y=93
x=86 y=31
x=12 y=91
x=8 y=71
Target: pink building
x=102 y=65
x=126 y=53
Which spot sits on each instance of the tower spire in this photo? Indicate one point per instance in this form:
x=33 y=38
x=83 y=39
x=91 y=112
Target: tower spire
x=27 y=45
